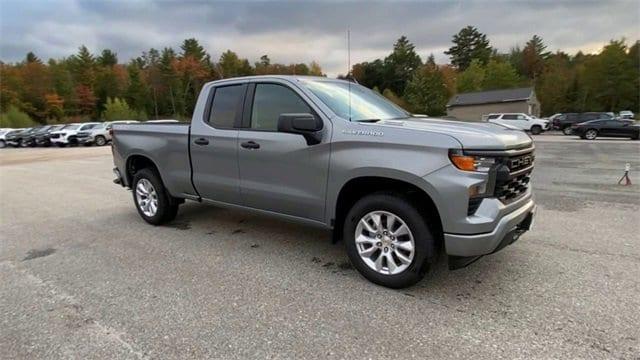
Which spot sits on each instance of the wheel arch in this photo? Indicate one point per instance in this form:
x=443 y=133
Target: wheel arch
x=136 y=162
x=356 y=188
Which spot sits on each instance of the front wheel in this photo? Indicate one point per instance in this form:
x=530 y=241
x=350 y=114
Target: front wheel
x=388 y=240
x=536 y=130
x=567 y=130
x=154 y=204
x=100 y=140
x=591 y=134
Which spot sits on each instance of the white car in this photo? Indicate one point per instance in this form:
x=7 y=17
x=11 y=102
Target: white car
x=3 y=132
x=626 y=114
x=520 y=121
x=68 y=135
x=100 y=134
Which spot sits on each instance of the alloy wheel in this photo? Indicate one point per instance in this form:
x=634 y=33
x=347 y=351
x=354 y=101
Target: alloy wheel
x=384 y=242
x=146 y=197
x=591 y=134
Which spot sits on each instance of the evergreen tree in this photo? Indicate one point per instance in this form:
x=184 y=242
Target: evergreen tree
x=469 y=44
x=427 y=92
x=400 y=65
x=107 y=58
x=533 y=56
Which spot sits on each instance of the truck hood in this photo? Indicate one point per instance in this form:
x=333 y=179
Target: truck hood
x=472 y=135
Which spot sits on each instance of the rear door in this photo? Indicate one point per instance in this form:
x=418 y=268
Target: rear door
x=512 y=120
x=213 y=144
x=279 y=172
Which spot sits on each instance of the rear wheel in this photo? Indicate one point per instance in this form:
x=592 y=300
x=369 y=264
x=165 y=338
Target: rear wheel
x=591 y=134
x=3 y=144
x=388 y=240
x=154 y=204
x=536 y=129
x=100 y=140
x=567 y=130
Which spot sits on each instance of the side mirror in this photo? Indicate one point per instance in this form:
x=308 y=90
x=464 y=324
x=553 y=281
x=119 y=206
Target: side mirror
x=306 y=125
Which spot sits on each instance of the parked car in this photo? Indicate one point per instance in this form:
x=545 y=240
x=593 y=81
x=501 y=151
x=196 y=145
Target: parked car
x=3 y=133
x=100 y=135
x=607 y=128
x=42 y=138
x=30 y=139
x=393 y=187
x=626 y=114
x=521 y=121
x=24 y=139
x=69 y=134
x=12 y=138
x=564 y=121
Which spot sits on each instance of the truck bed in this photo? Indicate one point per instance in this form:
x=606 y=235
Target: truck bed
x=166 y=144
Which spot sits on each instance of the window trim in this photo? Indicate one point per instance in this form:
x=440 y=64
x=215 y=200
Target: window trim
x=250 y=97
x=239 y=110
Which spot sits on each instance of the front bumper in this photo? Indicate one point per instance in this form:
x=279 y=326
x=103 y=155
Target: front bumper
x=509 y=228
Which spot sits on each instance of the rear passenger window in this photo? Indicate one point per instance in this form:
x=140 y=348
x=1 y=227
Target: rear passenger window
x=491 y=117
x=226 y=105
x=271 y=100
x=509 y=117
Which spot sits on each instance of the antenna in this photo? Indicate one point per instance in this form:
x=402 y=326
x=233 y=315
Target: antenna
x=349 y=68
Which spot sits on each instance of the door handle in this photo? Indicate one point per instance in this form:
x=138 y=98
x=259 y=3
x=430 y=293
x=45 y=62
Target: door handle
x=250 y=145
x=201 y=141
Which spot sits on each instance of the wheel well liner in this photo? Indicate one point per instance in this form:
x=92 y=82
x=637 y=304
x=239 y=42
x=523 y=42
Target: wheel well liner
x=136 y=163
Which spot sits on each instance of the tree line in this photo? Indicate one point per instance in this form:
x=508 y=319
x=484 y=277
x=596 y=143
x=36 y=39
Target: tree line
x=607 y=81
x=165 y=83
x=84 y=86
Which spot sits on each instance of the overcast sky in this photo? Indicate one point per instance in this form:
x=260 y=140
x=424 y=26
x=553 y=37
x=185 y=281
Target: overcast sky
x=304 y=31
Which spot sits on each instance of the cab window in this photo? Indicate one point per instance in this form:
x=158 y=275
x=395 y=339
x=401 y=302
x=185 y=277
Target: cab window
x=226 y=105
x=271 y=100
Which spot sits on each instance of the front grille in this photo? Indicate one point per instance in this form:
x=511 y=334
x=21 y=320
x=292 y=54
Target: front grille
x=513 y=189
x=514 y=184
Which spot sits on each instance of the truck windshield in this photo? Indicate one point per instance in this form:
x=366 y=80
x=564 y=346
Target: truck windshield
x=366 y=105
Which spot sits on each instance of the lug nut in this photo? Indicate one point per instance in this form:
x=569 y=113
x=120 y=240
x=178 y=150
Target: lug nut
x=378 y=244
x=386 y=249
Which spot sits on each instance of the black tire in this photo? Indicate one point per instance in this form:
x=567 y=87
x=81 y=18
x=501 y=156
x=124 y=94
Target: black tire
x=167 y=205
x=536 y=129
x=591 y=131
x=61 y=144
x=567 y=130
x=402 y=207
x=100 y=140
x=3 y=144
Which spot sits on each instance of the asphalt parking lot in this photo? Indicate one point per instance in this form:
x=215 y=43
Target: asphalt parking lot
x=82 y=276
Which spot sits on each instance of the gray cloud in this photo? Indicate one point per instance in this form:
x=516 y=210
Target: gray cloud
x=304 y=31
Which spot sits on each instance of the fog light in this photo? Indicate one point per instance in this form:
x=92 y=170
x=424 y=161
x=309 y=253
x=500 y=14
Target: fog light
x=477 y=190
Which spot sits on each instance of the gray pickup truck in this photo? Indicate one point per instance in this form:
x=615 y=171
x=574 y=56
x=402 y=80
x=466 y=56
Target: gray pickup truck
x=395 y=188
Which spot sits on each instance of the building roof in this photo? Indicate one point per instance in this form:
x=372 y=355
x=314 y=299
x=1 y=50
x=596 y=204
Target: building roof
x=488 y=97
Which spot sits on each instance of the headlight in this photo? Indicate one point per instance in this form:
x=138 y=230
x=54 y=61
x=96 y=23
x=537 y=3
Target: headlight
x=471 y=162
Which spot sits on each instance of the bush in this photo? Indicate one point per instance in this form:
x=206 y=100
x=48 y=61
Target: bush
x=14 y=118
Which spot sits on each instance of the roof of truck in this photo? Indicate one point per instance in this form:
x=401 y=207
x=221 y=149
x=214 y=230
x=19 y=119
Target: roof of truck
x=284 y=77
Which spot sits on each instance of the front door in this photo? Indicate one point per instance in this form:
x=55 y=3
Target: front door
x=279 y=172
x=214 y=144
